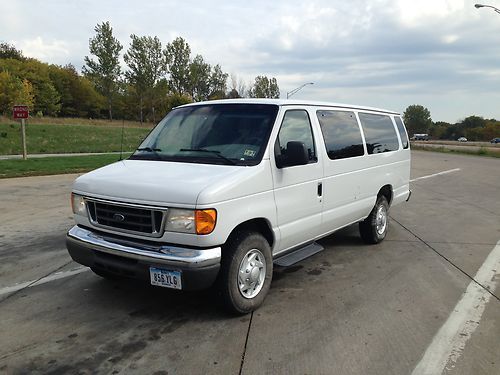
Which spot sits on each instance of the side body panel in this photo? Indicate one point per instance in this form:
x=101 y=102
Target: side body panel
x=351 y=185
x=343 y=183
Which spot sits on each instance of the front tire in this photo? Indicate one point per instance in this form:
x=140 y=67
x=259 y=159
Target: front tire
x=374 y=228
x=246 y=272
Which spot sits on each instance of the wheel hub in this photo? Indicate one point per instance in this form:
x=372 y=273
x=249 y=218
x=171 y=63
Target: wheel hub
x=381 y=220
x=252 y=273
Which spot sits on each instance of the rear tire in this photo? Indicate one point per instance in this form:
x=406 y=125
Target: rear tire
x=246 y=272
x=374 y=228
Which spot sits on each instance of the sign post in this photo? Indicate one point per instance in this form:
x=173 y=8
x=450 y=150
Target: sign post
x=22 y=112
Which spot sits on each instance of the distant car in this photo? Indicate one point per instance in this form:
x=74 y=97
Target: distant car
x=462 y=139
x=420 y=137
x=495 y=140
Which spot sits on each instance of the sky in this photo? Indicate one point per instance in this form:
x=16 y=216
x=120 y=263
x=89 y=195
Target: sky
x=442 y=54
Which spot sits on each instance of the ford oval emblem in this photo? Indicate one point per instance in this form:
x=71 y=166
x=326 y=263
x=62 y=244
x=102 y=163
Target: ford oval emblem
x=119 y=217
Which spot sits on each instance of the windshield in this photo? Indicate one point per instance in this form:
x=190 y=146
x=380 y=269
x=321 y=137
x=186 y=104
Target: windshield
x=230 y=134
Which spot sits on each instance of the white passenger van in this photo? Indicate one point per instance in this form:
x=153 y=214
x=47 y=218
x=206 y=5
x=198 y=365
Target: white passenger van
x=220 y=191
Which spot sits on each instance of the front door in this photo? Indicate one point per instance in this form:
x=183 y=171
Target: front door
x=297 y=189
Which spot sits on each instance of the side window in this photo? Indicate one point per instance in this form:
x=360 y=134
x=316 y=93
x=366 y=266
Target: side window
x=341 y=133
x=402 y=131
x=380 y=134
x=296 y=127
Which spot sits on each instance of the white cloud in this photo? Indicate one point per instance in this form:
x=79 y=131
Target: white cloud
x=417 y=13
x=449 y=39
x=53 y=51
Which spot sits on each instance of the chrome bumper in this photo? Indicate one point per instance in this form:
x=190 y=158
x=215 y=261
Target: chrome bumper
x=163 y=254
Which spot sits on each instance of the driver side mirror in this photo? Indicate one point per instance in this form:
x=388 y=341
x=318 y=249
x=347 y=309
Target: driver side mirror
x=295 y=154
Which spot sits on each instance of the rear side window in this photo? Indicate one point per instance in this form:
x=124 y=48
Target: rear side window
x=380 y=134
x=296 y=127
x=341 y=133
x=402 y=131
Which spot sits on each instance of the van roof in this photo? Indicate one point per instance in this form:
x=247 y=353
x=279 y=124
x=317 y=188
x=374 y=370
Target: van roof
x=287 y=102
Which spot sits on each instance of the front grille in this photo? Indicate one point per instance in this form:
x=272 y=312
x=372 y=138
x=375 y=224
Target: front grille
x=126 y=217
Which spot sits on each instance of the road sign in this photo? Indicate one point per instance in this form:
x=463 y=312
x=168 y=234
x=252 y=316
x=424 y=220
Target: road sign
x=20 y=111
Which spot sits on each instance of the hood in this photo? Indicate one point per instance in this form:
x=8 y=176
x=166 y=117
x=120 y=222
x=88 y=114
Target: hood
x=154 y=182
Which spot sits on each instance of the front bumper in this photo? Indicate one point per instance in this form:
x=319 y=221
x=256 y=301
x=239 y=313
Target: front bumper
x=133 y=259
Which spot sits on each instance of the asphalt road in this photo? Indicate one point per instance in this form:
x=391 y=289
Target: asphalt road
x=407 y=305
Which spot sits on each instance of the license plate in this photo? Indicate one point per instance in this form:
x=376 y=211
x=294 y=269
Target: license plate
x=165 y=278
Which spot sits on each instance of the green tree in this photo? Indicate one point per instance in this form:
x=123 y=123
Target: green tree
x=470 y=127
x=47 y=99
x=206 y=82
x=159 y=100
x=8 y=51
x=417 y=119
x=491 y=130
x=87 y=102
x=147 y=65
x=9 y=89
x=175 y=100
x=199 y=79
x=25 y=95
x=218 y=83
x=439 y=130
x=79 y=97
x=473 y=122
x=264 y=87
x=105 y=71
x=64 y=81
x=177 y=54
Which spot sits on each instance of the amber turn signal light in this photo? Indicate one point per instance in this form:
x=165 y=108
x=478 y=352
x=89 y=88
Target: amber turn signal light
x=205 y=221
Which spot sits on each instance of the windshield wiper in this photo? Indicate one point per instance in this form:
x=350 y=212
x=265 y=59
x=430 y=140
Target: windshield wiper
x=214 y=152
x=148 y=149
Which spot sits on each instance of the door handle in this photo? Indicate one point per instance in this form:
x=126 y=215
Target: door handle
x=320 y=189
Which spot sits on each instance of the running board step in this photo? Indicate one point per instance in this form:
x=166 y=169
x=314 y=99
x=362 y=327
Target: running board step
x=298 y=255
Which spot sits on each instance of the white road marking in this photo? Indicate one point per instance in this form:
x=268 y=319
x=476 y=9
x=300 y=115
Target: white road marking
x=449 y=342
x=435 y=174
x=43 y=280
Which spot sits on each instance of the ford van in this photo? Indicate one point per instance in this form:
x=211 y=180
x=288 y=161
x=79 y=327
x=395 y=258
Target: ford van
x=220 y=192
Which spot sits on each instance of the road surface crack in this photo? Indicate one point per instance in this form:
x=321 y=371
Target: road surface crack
x=448 y=260
x=246 y=342
x=34 y=282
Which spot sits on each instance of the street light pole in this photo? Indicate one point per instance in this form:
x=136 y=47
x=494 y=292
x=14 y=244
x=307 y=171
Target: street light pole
x=487 y=6
x=294 y=91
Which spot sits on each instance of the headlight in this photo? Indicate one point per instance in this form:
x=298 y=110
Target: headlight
x=78 y=205
x=191 y=221
x=179 y=220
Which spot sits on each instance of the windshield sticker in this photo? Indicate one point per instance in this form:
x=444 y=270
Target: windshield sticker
x=250 y=153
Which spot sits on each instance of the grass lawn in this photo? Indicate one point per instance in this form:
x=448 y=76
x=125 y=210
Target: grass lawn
x=46 y=120
x=53 y=139
x=54 y=165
